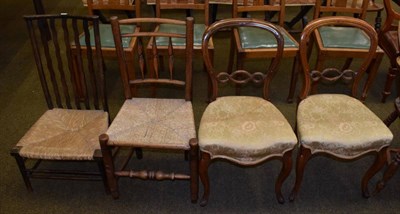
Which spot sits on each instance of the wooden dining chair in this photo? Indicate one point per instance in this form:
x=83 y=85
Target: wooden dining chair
x=69 y=129
x=333 y=123
x=161 y=124
x=107 y=41
x=245 y=130
x=342 y=43
x=389 y=41
x=250 y=43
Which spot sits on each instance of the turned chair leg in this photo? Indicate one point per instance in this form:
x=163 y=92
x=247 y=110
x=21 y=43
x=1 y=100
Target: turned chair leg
x=380 y=161
x=285 y=171
x=388 y=84
x=109 y=166
x=203 y=173
x=194 y=170
x=302 y=158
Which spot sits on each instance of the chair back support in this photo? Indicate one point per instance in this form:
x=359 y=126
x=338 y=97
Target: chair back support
x=392 y=17
x=358 y=8
x=125 y=5
x=154 y=75
x=260 y=6
x=241 y=77
x=334 y=75
x=66 y=84
x=183 y=5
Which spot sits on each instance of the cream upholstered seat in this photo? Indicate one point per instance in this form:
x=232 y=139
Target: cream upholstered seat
x=340 y=125
x=244 y=129
x=64 y=134
x=336 y=124
x=149 y=122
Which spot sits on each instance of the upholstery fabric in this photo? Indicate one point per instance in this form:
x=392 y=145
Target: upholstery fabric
x=155 y=123
x=245 y=130
x=340 y=125
x=343 y=37
x=198 y=30
x=251 y=37
x=64 y=134
x=106 y=36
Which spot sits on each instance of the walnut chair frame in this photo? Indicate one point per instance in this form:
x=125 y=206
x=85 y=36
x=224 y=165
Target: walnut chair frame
x=65 y=132
x=254 y=51
x=343 y=147
x=128 y=116
x=209 y=148
x=335 y=49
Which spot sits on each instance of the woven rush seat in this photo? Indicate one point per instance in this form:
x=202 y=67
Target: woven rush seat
x=149 y=122
x=244 y=130
x=340 y=125
x=64 y=134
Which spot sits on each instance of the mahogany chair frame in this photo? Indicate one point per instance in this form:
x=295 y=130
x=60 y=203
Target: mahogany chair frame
x=113 y=5
x=59 y=83
x=324 y=53
x=312 y=77
x=223 y=77
x=387 y=43
x=115 y=172
x=251 y=53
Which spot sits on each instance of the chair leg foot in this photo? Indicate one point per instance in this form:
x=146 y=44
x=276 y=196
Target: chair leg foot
x=285 y=171
x=302 y=158
x=203 y=173
x=376 y=166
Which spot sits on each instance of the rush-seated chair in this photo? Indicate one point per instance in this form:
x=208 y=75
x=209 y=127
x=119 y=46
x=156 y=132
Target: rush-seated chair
x=161 y=124
x=69 y=129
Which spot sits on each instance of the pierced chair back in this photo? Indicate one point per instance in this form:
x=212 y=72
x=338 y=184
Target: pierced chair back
x=333 y=75
x=155 y=76
x=242 y=77
x=67 y=84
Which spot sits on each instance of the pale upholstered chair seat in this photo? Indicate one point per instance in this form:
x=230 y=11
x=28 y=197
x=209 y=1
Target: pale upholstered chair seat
x=245 y=130
x=340 y=125
x=155 y=123
x=64 y=134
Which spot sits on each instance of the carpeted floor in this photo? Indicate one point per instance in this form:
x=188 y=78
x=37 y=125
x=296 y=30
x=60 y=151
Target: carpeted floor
x=329 y=186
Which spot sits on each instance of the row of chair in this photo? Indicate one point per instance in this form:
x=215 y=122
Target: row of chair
x=243 y=129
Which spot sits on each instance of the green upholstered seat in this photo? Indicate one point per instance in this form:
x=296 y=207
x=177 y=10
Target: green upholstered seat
x=106 y=36
x=259 y=38
x=170 y=28
x=343 y=37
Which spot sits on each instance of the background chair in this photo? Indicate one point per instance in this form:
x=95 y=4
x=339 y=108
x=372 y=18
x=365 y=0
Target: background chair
x=153 y=123
x=338 y=125
x=246 y=130
x=389 y=41
x=69 y=130
x=250 y=43
x=342 y=43
x=107 y=41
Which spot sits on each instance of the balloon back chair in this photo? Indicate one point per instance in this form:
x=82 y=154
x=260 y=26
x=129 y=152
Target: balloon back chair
x=245 y=130
x=334 y=124
x=69 y=129
x=153 y=123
